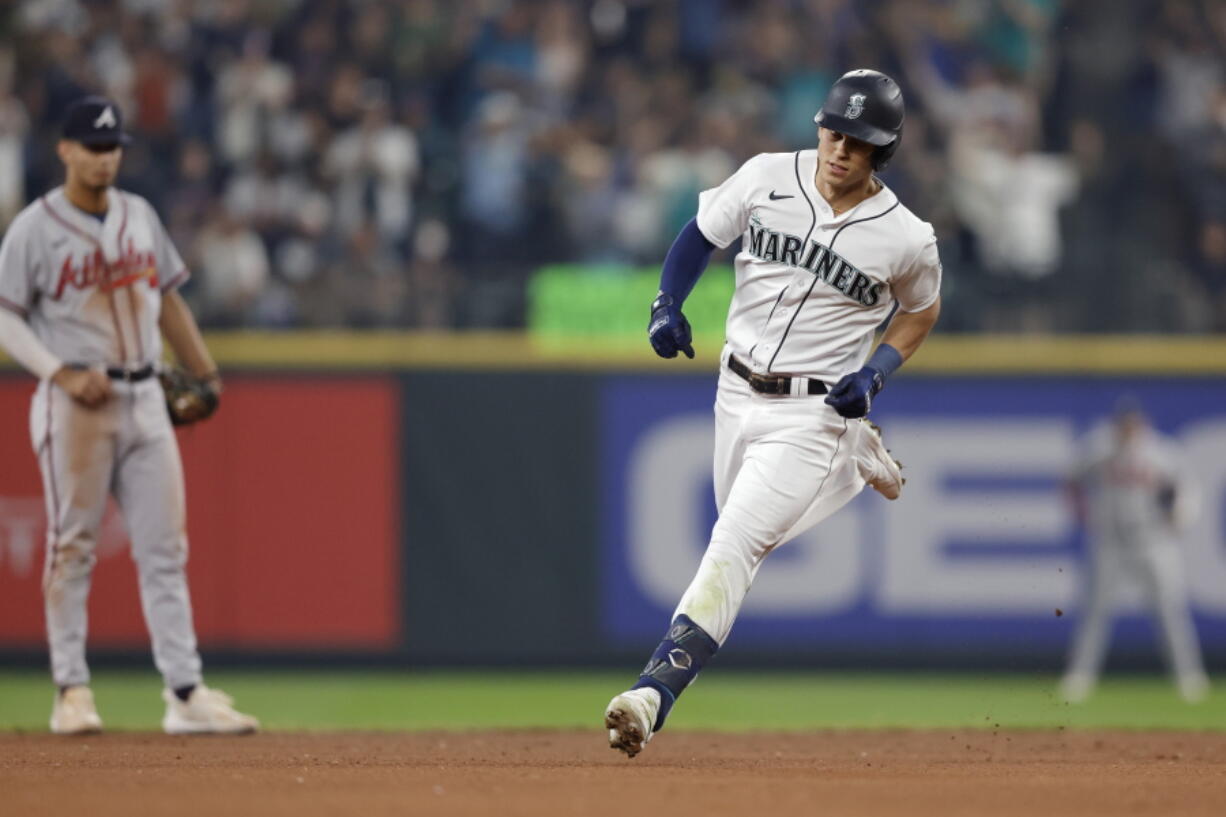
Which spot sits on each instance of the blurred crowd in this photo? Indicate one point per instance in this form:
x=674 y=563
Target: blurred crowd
x=371 y=163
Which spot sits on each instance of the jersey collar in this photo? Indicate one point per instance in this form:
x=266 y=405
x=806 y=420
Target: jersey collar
x=881 y=200
x=106 y=233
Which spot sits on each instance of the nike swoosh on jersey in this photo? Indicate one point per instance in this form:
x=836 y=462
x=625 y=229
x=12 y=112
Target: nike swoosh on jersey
x=776 y=198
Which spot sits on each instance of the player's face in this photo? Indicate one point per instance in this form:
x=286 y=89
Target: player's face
x=92 y=166
x=1130 y=426
x=844 y=161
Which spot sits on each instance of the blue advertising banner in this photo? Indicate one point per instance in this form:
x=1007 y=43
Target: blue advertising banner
x=982 y=555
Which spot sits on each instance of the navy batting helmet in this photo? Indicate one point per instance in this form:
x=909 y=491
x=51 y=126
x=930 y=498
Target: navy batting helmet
x=866 y=105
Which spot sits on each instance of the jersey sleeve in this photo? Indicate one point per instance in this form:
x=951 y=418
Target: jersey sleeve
x=18 y=268
x=919 y=285
x=723 y=212
x=172 y=272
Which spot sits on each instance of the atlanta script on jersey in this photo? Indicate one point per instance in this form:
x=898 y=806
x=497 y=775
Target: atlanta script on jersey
x=91 y=289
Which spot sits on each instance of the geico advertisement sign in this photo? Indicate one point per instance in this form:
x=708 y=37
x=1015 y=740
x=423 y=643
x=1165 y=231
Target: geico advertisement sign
x=984 y=527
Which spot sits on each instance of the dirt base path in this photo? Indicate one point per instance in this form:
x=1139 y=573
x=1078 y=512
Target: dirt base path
x=843 y=774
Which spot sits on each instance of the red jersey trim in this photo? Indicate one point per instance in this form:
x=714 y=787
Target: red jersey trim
x=14 y=307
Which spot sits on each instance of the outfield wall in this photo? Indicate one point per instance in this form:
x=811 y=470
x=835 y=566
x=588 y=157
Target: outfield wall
x=533 y=508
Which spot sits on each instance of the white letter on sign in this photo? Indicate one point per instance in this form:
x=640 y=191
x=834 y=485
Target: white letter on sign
x=921 y=576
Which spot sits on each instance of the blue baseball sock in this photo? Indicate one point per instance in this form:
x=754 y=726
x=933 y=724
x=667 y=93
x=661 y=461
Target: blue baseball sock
x=675 y=664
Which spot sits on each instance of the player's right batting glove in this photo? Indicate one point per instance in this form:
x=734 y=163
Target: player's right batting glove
x=668 y=330
x=853 y=395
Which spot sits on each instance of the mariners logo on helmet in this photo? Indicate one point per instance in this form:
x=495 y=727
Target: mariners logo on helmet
x=855 y=106
x=865 y=105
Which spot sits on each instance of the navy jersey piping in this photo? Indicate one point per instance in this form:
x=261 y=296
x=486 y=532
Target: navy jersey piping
x=830 y=247
x=812 y=226
x=778 y=298
x=838 y=443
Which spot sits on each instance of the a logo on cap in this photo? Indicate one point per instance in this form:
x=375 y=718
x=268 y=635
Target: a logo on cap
x=106 y=119
x=855 y=106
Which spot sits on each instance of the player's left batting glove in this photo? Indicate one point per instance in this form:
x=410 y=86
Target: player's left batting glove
x=668 y=330
x=853 y=395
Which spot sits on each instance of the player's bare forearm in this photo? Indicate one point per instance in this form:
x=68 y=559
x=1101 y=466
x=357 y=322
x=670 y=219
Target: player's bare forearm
x=908 y=330
x=181 y=332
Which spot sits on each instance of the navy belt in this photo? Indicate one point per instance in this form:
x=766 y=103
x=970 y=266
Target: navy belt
x=131 y=375
x=771 y=383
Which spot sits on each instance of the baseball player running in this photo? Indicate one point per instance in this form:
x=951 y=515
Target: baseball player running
x=1129 y=491
x=88 y=281
x=827 y=250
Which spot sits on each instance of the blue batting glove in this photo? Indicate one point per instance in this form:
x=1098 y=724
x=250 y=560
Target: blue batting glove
x=853 y=395
x=668 y=330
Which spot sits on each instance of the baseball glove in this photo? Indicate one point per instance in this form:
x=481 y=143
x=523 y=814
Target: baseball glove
x=189 y=399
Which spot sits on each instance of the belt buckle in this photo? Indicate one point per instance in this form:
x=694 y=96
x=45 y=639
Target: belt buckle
x=131 y=375
x=765 y=384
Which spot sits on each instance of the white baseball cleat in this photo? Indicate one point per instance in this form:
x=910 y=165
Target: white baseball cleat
x=206 y=711
x=879 y=469
x=630 y=717
x=1193 y=687
x=74 y=714
x=1076 y=687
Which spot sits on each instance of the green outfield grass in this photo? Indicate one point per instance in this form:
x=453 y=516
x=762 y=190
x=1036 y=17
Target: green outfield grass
x=296 y=700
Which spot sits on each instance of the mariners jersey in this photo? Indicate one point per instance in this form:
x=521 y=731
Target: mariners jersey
x=812 y=286
x=91 y=289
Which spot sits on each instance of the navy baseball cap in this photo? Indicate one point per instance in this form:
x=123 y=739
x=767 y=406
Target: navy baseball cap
x=94 y=120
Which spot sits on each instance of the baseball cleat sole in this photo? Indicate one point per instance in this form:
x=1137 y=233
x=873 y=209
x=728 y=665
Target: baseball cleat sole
x=624 y=734
x=629 y=718
x=78 y=731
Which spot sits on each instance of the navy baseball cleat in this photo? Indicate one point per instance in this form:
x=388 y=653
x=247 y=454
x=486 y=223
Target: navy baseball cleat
x=629 y=718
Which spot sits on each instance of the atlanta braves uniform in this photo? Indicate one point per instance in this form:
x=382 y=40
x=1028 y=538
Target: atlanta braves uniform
x=1135 y=500
x=91 y=291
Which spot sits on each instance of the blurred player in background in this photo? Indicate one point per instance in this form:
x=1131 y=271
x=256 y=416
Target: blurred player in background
x=88 y=287
x=1134 y=500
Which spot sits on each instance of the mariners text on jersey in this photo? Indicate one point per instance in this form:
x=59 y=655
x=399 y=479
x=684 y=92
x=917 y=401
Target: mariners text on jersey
x=812 y=285
x=818 y=259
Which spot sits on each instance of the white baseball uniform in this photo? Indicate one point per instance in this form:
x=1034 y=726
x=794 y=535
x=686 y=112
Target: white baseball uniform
x=1128 y=485
x=811 y=289
x=91 y=291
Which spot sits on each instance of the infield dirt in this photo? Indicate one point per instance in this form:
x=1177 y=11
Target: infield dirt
x=877 y=774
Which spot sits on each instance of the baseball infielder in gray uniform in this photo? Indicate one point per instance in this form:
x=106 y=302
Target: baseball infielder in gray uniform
x=88 y=281
x=827 y=252
x=1129 y=491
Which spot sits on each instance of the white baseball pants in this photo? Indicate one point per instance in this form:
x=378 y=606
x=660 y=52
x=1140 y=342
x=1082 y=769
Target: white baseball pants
x=782 y=465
